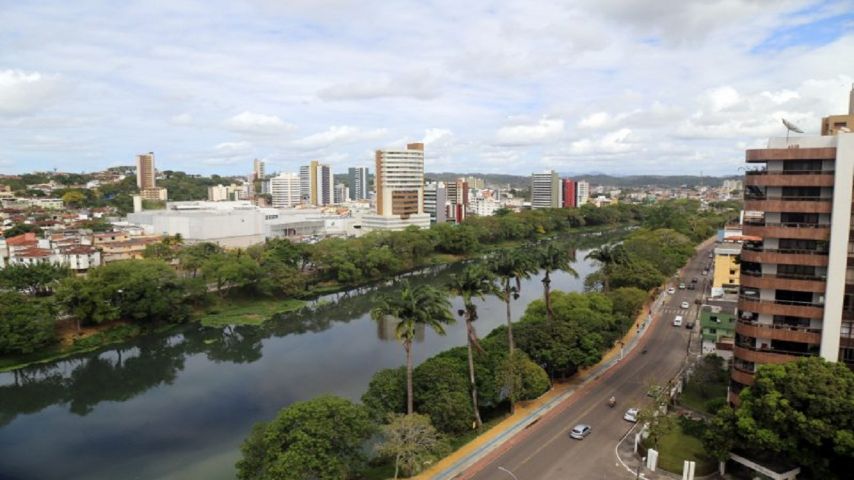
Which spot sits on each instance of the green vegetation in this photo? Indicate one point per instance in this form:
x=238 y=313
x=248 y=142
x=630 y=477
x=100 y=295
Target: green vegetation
x=800 y=411
x=321 y=438
x=707 y=385
x=248 y=311
x=684 y=443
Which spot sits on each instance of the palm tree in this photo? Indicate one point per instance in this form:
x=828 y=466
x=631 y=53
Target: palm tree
x=608 y=255
x=412 y=307
x=474 y=282
x=551 y=258
x=510 y=265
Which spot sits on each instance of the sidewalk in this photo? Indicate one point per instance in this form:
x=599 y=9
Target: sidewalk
x=512 y=429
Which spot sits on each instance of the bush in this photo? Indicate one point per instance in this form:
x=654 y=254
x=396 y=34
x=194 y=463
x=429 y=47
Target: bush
x=715 y=404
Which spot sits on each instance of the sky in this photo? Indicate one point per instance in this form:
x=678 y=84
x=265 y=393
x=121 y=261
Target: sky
x=621 y=87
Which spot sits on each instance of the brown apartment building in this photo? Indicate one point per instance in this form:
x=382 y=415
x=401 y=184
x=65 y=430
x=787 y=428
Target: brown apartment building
x=797 y=271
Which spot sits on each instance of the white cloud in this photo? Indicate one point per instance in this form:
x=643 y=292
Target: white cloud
x=339 y=135
x=420 y=85
x=22 y=93
x=257 y=123
x=433 y=136
x=544 y=131
x=614 y=142
x=181 y=119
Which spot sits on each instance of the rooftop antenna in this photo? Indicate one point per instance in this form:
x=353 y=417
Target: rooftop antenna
x=790 y=127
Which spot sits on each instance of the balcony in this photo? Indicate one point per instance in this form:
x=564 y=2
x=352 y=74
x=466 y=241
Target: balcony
x=734 y=399
x=782 y=154
x=783 y=282
x=784 y=257
x=789 y=204
x=765 y=355
x=786 y=333
x=742 y=376
x=796 y=178
x=780 y=307
x=799 y=231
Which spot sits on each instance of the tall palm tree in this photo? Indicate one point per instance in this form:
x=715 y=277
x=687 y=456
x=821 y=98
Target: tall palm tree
x=509 y=265
x=413 y=307
x=551 y=258
x=608 y=255
x=474 y=282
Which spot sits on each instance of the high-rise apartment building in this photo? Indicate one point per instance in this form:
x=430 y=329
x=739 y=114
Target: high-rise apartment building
x=358 y=179
x=545 y=190
x=582 y=192
x=400 y=190
x=258 y=170
x=340 y=193
x=285 y=189
x=316 y=184
x=458 y=199
x=145 y=178
x=568 y=193
x=145 y=172
x=797 y=283
x=435 y=201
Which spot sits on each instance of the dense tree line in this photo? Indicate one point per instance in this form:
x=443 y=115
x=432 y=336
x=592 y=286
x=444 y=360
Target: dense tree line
x=802 y=411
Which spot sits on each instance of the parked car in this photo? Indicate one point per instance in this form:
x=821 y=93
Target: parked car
x=654 y=391
x=694 y=280
x=681 y=286
x=671 y=290
x=580 y=431
x=677 y=321
x=690 y=286
x=685 y=305
x=705 y=272
x=689 y=325
x=631 y=415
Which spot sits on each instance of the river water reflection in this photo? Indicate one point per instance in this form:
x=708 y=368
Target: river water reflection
x=178 y=406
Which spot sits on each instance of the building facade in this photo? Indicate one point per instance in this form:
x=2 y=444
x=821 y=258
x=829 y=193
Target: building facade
x=568 y=193
x=285 y=190
x=545 y=190
x=358 y=179
x=400 y=190
x=258 y=170
x=582 y=192
x=145 y=172
x=796 y=296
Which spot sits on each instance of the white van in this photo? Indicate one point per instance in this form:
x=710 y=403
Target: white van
x=677 y=321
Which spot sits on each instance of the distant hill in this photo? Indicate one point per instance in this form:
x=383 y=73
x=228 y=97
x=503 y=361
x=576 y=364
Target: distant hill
x=629 y=181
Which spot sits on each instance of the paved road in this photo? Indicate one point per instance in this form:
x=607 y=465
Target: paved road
x=545 y=451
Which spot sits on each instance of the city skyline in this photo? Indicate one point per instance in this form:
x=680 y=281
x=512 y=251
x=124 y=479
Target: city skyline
x=613 y=86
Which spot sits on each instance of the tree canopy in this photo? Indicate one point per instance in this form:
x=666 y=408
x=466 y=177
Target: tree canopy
x=321 y=439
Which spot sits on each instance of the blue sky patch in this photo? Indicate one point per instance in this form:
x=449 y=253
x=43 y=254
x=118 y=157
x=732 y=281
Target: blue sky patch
x=815 y=34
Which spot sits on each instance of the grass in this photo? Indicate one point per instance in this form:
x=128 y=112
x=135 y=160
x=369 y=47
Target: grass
x=247 y=311
x=692 y=398
x=679 y=446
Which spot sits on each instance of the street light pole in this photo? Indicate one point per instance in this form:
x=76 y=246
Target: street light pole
x=508 y=472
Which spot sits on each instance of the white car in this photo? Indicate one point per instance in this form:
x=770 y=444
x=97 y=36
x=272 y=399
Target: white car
x=685 y=305
x=671 y=290
x=631 y=415
x=677 y=321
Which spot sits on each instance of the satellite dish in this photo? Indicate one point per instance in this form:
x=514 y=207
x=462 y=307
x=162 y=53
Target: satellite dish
x=790 y=127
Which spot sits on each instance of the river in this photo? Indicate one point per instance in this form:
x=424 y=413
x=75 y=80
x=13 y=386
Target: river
x=178 y=406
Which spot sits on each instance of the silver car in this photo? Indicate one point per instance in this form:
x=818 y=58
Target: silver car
x=580 y=431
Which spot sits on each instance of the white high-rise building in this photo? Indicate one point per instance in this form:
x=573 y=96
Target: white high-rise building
x=582 y=191
x=285 y=189
x=545 y=190
x=316 y=184
x=400 y=190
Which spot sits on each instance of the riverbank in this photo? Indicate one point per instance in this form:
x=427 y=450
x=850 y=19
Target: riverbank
x=254 y=311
